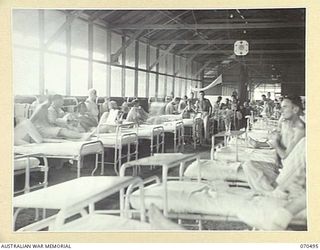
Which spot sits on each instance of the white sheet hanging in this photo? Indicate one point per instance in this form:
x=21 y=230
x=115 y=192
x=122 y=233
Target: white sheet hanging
x=217 y=81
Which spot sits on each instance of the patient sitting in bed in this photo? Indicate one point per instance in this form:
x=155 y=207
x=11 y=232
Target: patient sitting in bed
x=46 y=129
x=261 y=175
x=86 y=120
x=137 y=113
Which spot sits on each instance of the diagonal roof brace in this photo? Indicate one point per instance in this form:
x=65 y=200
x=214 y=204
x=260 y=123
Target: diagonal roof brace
x=126 y=45
x=63 y=27
x=202 y=68
x=163 y=55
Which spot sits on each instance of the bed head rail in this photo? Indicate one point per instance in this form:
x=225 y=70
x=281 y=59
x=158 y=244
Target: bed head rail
x=94 y=147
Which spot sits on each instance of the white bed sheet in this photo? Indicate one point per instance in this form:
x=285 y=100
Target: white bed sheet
x=50 y=149
x=216 y=170
x=111 y=139
x=229 y=154
x=20 y=164
x=212 y=199
x=103 y=222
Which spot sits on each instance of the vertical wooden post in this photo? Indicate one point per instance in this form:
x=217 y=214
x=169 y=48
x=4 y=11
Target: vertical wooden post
x=157 y=70
x=108 y=65
x=174 y=73
x=123 y=69
x=41 y=55
x=68 y=55
x=166 y=72
x=136 y=71
x=90 y=55
x=147 y=67
x=243 y=83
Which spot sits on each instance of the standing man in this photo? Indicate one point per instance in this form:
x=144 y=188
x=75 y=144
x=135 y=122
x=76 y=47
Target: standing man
x=91 y=103
x=171 y=108
x=204 y=106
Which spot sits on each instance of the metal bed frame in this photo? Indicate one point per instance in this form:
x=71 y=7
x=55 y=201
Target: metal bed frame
x=28 y=170
x=187 y=216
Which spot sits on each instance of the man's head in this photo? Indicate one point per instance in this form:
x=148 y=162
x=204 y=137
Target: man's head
x=185 y=98
x=191 y=95
x=263 y=97
x=175 y=100
x=219 y=99
x=291 y=107
x=280 y=99
x=92 y=93
x=135 y=103
x=201 y=95
x=233 y=97
x=269 y=95
x=113 y=105
x=57 y=100
x=227 y=101
x=82 y=108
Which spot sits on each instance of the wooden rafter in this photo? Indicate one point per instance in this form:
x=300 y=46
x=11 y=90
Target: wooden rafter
x=210 y=26
x=202 y=68
x=126 y=44
x=229 y=41
x=62 y=28
x=167 y=51
x=100 y=14
x=250 y=52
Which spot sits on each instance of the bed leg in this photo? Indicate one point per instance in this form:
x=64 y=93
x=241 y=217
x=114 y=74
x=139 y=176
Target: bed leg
x=44 y=213
x=102 y=163
x=119 y=157
x=115 y=161
x=79 y=161
x=15 y=215
x=36 y=217
x=200 y=224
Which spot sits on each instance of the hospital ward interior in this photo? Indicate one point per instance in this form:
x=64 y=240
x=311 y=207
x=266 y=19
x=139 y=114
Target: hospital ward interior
x=159 y=119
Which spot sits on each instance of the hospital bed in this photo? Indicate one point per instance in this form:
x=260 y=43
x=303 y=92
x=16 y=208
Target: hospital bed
x=77 y=212
x=119 y=141
x=72 y=150
x=26 y=164
x=196 y=126
x=176 y=128
x=156 y=135
x=183 y=199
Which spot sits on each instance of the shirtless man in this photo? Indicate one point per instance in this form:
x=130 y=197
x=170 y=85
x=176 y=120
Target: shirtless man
x=289 y=147
x=204 y=106
x=171 y=106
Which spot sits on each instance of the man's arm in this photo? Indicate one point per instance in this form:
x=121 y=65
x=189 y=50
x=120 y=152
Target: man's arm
x=54 y=119
x=210 y=107
x=284 y=152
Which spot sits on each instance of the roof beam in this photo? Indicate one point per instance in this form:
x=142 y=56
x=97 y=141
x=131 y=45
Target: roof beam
x=167 y=51
x=223 y=26
x=234 y=20
x=202 y=68
x=250 y=52
x=63 y=27
x=229 y=41
x=126 y=45
x=100 y=14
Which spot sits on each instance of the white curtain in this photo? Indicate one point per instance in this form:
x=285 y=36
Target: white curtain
x=217 y=81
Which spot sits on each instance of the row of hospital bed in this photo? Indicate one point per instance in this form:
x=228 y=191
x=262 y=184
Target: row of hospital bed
x=214 y=189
